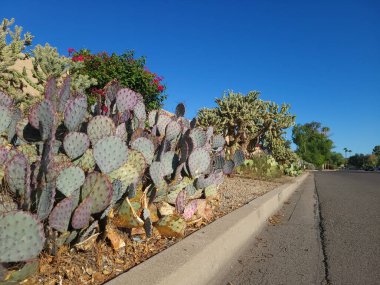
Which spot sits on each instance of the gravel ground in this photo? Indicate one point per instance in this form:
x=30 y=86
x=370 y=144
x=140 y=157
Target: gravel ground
x=237 y=191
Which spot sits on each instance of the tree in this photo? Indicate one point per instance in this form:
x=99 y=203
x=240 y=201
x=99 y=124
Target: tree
x=336 y=160
x=313 y=144
x=376 y=150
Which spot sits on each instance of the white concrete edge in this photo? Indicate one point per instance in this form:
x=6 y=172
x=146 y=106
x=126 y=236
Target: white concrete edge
x=200 y=256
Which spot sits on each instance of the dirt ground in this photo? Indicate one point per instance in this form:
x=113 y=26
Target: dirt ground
x=96 y=261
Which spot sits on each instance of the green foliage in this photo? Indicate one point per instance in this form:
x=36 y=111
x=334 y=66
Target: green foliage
x=376 y=151
x=336 y=160
x=261 y=166
x=124 y=68
x=361 y=161
x=313 y=144
x=10 y=79
x=246 y=120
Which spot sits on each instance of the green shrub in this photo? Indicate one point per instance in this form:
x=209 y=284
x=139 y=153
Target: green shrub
x=262 y=166
x=128 y=71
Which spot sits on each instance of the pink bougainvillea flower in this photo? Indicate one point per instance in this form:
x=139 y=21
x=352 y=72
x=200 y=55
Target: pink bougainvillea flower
x=70 y=50
x=105 y=109
x=161 y=88
x=78 y=58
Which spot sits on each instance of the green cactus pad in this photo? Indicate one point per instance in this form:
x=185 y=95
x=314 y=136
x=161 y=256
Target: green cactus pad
x=46 y=201
x=33 y=116
x=199 y=162
x=99 y=188
x=156 y=173
x=110 y=153
x=190 y=190
x=21 y=237
x=100 y=127
x=171 y=226
x=59 y=218
x=126 y=100
x=86 y=161
x=64 y=94
x=190 y=209
x=82 y=214
x=70 y=179
x=146 y=147
x=121 y=132
x=46 y=118
x=218 y=162
x=140 y=113
x=152 y=118
x=5 y=100
x=30 y=152
x=180 y=110
x=17 y=276
x=180 y=201
x=162 y=122
x=211 y=191
x=173 y=129
x=169 y=161
x=218 y=141
x=228 y=167
x=137 y=160
x=3 y=154
x=199 y=137
x=5 y=118
x=238 y=158
x=127 y=174
x=126 y=216
x=75 y=144
x=75 y=113
x=17 y=175
x=16 y=117
x=111 y=90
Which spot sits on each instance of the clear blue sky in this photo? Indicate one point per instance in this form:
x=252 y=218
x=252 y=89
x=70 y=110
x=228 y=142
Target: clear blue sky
x=322 y=57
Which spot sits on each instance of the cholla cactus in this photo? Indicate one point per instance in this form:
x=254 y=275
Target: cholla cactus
x=11 y=80
x=246 y=120
x=48 y=63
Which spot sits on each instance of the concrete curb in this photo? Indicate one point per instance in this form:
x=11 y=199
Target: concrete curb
x=200 y=256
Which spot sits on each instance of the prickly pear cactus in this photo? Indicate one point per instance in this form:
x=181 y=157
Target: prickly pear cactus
x=75 y=112
x=100 y=127
x=99 y=188
x=59 y=218
x=76 y=144
x=199 y=162
x=70 y=179
x=21 y=237
x=110 y=153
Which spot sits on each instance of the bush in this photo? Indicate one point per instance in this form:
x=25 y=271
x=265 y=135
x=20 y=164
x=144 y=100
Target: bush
x=261 y=166
x=125 y=69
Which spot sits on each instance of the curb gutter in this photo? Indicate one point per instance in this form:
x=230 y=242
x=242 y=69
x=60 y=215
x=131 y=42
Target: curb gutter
x=208 y=251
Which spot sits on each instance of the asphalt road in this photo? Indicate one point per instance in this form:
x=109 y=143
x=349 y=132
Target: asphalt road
x=327 y=233
x=350 y=211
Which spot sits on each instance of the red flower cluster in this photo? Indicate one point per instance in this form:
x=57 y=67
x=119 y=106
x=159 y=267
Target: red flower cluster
x=78 y=58
x=101 y=92
x=70 y=50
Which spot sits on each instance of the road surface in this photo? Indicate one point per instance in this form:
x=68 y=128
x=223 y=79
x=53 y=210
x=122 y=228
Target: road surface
x=327 y=233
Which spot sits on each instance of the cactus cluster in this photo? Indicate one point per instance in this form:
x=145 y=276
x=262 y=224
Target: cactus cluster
x=65 y=169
